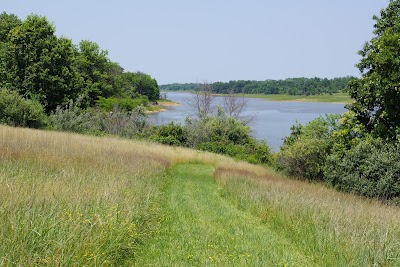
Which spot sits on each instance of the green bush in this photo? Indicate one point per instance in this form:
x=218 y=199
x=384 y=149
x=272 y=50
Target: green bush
x=18 y=111
x=170 y=134
x=253 y=152
x=126 y=104
x=219 y=128
x=304 y=152
x=371 y=168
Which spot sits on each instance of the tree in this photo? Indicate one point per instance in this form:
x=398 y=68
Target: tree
x=377 y=93
x=202 y=100
x=37 y=63
x=233 y=105
x=96 y=70
x=7 y=23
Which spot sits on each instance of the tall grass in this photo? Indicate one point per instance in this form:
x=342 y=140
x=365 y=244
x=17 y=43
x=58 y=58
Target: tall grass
x=68 y=199
x=81 y=200
x=333 y=228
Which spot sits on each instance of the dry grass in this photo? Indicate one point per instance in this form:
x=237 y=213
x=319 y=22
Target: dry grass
x=69 y=199
x=334 y=228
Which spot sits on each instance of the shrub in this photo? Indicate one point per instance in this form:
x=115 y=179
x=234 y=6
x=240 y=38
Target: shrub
x=123 y=123
x=18 y=111
x=170 y=134
x=219 y=128
x=73 y=118
x=371 y=168
x=118 y=122
x=253 y=152
x=304 y=152
x=125 y=104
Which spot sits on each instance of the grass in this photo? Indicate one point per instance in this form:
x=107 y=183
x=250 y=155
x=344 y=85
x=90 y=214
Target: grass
x=199 y=228
x=332 y=228
x=69 y=199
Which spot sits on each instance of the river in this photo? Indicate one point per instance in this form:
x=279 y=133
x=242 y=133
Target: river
x=272 y=120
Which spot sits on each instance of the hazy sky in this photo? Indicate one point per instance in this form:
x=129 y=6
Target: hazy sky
x=217 y=40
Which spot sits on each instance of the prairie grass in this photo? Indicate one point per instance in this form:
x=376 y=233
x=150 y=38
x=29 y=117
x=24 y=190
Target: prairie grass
x=332 y=228
x=68 y=199
x=74 y=200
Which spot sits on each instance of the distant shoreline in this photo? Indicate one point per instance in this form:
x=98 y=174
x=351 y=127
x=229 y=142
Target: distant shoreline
x=339 y=98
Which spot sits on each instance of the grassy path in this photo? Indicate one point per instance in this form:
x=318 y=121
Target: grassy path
x=200 y=228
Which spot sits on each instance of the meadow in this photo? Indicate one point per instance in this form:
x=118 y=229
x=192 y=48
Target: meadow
x=76 y=200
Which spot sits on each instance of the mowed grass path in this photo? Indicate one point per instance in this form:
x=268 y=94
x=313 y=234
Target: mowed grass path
x=200 y=228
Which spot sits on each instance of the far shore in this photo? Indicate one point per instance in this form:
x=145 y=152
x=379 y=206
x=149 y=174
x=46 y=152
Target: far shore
x=339 y=98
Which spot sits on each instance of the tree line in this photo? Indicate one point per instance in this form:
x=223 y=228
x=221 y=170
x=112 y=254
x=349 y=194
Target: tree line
x=53 y=71
x=292 y=86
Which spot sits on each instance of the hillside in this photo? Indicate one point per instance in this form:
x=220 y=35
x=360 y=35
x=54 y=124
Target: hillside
x=69 y=199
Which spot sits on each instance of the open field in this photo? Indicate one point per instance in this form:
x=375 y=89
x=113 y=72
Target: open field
x=68 y=199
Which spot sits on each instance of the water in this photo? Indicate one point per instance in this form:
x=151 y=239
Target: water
x=272 y=120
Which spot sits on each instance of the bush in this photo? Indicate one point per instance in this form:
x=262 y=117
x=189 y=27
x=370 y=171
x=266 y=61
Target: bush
x=371 y=168
x=170 y=134
x=72 y=118
x=118 y=122
x=125 y=104
x=18 y=111
x=253 y=152
x=123 y=123
x=304 y=152
x=219 y=128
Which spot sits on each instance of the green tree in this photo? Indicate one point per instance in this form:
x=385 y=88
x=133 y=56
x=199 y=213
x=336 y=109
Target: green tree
x=146 y=85
x=37 y=63
x=377 y=93
x=96 y=70
x=7 y=23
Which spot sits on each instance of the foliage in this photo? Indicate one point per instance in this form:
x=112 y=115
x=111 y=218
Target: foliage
x=18 y=111
x=127 y=104
x=371 y=168
x=73 y=118
x=377 y=93
x=123 y=123
x=117 y=122
x=170 y=134
x=95 y=69
x=38 y=64
x=220 y=128
x=254 y=152
x=131 y=84
x=292 y=86
x=7 y=23
x=304 y=152
x=35 y=62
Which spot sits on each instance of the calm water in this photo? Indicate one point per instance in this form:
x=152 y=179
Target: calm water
x=272 y=120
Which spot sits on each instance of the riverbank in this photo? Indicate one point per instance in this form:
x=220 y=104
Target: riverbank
x=162 y=105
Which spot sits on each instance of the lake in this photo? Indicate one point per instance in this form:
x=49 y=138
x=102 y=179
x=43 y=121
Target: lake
x=272 y=119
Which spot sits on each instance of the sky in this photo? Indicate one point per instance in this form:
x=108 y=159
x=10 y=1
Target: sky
x=217 y=40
